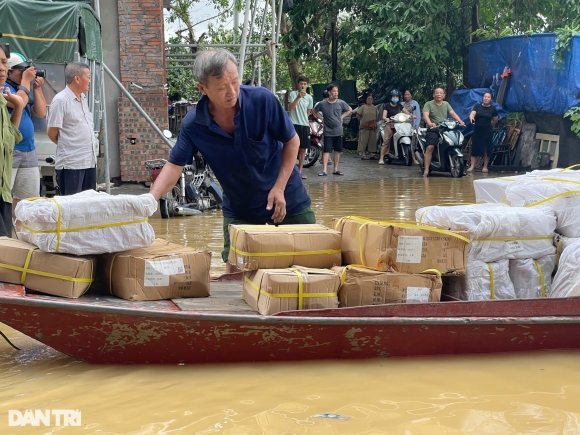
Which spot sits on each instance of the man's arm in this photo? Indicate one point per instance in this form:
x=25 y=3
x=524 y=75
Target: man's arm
x=276 y=195
x=166 y=180
x=316 y=114
x=296 y=100
x=39 y=106
x=17 y=104
x=427 y=120
x=348 y=112
x=456 y=117
x=52 y=133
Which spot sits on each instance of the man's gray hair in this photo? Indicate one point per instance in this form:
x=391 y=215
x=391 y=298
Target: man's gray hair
x=74 y=69
x=212 y=63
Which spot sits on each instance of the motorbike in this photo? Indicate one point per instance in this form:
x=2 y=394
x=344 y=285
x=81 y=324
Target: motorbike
x=195 y=192
x=400 y=149
x=447 y=155
x=314 y=151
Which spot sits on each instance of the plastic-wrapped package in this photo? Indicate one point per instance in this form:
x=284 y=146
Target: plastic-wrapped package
x=87 y=223
x=532 y=278
x=497 y=231
x=562 y=242
x=567 y=280
x=493 y=189
x=561 y=194
x=482 y=282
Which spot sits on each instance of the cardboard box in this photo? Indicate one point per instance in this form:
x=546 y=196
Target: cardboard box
x=402 y=247
x=362 y=286
x=270 y=291
x=164 y=270
x=70 y=275
x=256 y=247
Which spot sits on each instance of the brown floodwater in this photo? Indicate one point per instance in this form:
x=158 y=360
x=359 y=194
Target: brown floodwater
x=533 y=393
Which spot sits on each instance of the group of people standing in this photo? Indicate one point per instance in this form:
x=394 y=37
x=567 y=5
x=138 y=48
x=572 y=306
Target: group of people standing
x=69 y=126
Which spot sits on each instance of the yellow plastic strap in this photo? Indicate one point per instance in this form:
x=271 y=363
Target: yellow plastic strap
x=541 y=278
x=360 y=244
x=570 y=192
x=433 y=271
x=300 y=288
x=284 y=254
x=26 y=264
x=506 y=239
x=47 y=274
x=569 y=167
x=511 y=180
x=343 y=276
x=560 y=180
x=506 y=201
x=491 y=284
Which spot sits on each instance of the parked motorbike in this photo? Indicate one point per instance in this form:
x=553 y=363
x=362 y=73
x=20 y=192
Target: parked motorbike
x=196 y=190
x=447 y=155
x=314 y=151
x=400 y=149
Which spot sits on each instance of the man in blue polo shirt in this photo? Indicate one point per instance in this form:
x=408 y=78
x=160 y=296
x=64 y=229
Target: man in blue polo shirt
x=250 y=143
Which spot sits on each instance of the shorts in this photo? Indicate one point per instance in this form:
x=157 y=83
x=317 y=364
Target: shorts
x=432 y=137
x=305 y=216
x=303 y=133
x=71 y=181
x=332 y=143
x=25 y=181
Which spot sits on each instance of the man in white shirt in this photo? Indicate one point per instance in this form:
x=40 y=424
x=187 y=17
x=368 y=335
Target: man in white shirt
x=70 y=127
x=300 y=107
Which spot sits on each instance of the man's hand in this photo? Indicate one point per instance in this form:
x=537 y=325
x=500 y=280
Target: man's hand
x=276 y=199
x=302 y=94
x=13 y=99
x=38 y=82
x=28 y=76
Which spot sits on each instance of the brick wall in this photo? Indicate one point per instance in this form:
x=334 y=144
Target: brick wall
x=142 y=48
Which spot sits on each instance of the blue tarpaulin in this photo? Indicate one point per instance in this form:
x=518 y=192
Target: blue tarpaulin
x=464 y=101
x=535 y=84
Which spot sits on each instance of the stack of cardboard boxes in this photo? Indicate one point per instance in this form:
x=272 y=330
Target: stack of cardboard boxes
x=286 y=267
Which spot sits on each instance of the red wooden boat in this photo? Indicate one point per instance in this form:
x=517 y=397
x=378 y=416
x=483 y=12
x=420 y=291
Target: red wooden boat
x=222 y=328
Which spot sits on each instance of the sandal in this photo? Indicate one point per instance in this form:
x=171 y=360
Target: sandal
x=337 y=173
x=304 y=177
x=485 y=170
x=364 y=158
x=469 y=170
x=322 y=174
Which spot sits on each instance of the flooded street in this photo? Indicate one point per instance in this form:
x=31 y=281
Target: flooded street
x=501 y=394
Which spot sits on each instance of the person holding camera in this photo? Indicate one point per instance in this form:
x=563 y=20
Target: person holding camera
x=24 y=81
x=9 y=136
x=70 y=127
x=300 y=108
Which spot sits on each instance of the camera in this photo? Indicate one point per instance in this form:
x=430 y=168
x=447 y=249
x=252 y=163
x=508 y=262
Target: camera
x=41 y=73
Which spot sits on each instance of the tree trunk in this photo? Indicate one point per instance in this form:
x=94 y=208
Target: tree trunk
x=294 y=64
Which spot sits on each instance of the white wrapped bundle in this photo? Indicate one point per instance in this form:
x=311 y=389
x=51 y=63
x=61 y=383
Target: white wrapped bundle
x=562 y=195
x=562 y=242
x=481 y=284
x=496 y=230
x=532 y=278
x=87 y=223
x=567 y=280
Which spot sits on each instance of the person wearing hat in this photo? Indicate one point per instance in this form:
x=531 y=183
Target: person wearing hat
x=391 y=108
x=23 y=82
x=9 y=135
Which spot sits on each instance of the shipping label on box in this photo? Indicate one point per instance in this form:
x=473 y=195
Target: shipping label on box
x=162 y=271
x=402 y=246
x=277 y=247
x=55 y=274
x=270 y=291
x=363 y=286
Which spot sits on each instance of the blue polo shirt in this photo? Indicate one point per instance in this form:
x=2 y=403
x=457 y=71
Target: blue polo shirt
x=246 y=164
x=26 y=127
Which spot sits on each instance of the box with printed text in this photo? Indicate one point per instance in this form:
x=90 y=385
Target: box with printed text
x=362 y=286
x=164 y=270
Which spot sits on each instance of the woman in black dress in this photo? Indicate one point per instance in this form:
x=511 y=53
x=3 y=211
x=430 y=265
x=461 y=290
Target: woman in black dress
x=484 y=116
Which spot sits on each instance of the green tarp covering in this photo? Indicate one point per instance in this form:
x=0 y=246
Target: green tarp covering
x=50 y=32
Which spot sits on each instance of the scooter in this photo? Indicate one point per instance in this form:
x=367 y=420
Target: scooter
x=196 y=190
x=400 y=149
x=447 y=155
x=314 y=151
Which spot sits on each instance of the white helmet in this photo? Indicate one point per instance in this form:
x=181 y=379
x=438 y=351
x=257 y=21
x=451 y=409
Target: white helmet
x=17 y=60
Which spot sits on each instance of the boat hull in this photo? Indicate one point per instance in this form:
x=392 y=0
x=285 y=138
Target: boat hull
x=99 y=333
